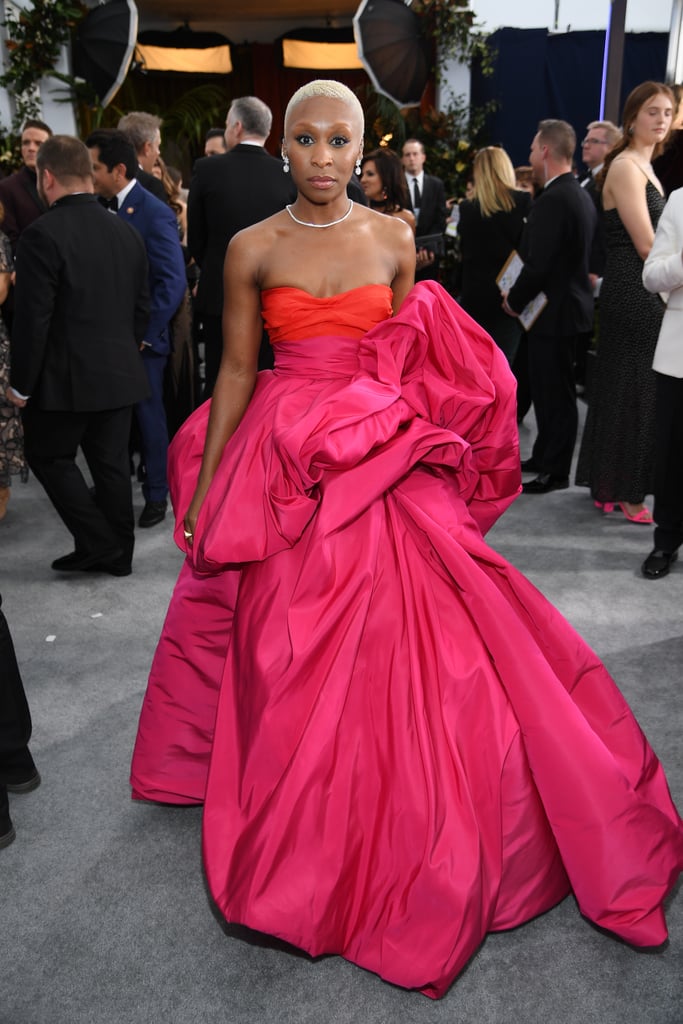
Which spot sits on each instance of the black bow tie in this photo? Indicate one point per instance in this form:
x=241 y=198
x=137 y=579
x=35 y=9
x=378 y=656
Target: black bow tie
x=110 y=204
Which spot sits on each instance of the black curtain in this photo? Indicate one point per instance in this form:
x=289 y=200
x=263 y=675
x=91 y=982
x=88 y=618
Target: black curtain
x=538 y=75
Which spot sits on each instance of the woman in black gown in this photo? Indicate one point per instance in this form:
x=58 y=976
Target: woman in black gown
x=617 y=454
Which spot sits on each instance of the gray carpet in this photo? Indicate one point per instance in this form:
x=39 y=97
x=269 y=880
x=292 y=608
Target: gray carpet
x=104 y=917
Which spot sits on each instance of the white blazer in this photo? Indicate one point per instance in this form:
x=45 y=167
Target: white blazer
x=663 y=272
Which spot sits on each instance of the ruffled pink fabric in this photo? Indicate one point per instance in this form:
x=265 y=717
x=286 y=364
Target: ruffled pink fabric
x=408 y=745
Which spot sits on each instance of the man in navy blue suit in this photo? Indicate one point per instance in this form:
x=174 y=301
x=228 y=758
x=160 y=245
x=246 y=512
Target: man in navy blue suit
x=114 y=170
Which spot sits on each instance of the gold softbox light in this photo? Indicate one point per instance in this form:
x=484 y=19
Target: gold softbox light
x=184 y=51
x=320 y=49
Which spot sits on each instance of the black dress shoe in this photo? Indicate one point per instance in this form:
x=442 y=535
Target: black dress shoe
x=154 y=512
x=544 y=482
x=529 y=466
x=79 y=561
x=116 y=567
x=658 y=563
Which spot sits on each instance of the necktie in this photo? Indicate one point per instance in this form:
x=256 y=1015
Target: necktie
x=416 y=193
x=110 y=204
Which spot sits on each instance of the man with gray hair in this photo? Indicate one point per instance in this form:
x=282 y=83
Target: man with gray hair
x=230 y=192
x=143 y=130
x=555 y=247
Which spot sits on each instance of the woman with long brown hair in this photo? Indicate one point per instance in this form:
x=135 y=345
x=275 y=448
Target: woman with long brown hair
x=617 y=454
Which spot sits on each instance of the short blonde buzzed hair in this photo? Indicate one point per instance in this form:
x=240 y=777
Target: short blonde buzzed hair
x=329 y=89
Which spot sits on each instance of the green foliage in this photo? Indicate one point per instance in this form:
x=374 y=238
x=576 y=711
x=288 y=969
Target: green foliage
x=452 y=135
x=189 y=117
x=35 y=38
x=451 y=25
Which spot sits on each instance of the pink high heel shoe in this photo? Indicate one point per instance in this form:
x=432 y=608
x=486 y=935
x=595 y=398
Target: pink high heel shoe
x=604 y=506
x=644 y=516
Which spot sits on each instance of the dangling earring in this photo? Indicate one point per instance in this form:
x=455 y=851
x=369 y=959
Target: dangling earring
x=358 y=168
x=285 y=163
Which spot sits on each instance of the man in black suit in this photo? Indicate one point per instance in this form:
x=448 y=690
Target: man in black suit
x=18 y=193
x=80 y=316
x=143 y=131
x=230 y=192
x=428 y=203
x=556 y=247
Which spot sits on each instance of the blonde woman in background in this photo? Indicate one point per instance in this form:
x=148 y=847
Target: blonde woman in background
x=490 y=227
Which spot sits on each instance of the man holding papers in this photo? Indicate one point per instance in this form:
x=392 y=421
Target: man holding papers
x=555 y=251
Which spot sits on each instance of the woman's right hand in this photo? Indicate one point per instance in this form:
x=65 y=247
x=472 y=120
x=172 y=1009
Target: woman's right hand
x=190 y=521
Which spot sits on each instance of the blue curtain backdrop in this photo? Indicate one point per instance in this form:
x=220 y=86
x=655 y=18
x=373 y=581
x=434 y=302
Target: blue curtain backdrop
x=538 y=74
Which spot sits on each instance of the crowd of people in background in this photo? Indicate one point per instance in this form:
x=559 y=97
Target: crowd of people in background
x=578 y=255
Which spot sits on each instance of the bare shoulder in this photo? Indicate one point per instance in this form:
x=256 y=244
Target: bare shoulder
x=408 y=217
x=625 y=170
x=251 y=245
x=391 y=230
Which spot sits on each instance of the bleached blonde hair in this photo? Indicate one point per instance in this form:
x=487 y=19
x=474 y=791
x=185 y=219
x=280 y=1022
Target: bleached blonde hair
x=329 y=89
x=494 y=180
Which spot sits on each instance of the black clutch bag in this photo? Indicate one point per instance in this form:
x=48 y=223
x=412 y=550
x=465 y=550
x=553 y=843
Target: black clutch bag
x=434 y=243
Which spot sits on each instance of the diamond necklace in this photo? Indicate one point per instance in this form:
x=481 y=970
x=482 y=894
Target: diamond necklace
x=330 y=224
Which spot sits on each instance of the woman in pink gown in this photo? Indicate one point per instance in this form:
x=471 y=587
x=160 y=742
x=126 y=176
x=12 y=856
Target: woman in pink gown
x=399 y=744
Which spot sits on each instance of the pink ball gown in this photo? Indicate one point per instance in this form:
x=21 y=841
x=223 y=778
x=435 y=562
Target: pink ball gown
x=400 y=745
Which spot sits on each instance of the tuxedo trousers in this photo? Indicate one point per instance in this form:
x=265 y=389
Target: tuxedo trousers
x=553 y=393
x=668 y=509
x=100 y=523
x=150 y=414
x=15 y=718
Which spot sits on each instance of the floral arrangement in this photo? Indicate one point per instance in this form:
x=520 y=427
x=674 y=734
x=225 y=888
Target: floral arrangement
x=452 y=135
x=35 y=36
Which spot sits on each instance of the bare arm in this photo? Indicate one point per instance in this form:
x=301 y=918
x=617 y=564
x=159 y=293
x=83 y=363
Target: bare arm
x=404 y=278
x=5 y=282
x=625 y=190
x=242 y=330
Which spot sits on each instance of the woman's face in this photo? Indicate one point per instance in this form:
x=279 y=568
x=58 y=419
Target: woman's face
x=371 y=183
x=653 y=120
x=323 y=140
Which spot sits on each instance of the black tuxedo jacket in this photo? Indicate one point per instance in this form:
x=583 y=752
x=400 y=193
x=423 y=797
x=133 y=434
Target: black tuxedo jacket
x=485 y=244
x=599 y=248
x=556 y=248
x=81 y=309
x=152 y=184
x=433 y=212
x=228 y=193
x=21 y=203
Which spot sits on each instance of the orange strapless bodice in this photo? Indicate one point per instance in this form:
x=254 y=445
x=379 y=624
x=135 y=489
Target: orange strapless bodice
x=291 y=313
